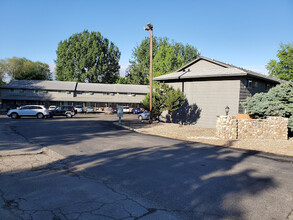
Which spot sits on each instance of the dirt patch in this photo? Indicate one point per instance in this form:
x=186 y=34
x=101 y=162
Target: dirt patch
x=21 y=162
x=208 y=136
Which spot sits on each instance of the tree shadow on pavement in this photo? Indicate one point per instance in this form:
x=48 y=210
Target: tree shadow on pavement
x=33 y=133
x=194 y=181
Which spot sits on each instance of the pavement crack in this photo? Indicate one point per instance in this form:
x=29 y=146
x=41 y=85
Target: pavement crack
x=290 y=215
x=149 y=212
x=22 y=154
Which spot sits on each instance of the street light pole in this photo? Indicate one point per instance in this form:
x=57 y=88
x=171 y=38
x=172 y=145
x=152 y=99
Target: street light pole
x=150 y=29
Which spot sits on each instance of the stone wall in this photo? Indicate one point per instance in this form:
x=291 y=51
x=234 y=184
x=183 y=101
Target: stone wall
x=271 y=128
x=227 y=127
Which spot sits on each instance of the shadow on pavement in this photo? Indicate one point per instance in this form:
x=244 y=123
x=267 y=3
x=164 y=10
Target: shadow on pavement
x=194 y=182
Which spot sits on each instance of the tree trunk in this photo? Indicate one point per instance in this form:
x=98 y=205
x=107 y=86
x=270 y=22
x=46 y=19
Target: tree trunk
x=171 y=117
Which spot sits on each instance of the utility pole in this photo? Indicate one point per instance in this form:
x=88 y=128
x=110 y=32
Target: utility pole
x=150 y=29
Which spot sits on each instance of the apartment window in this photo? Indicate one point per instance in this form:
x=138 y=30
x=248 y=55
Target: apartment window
x=268 y=86
x=251 y=83
x=11 y=90
x=254 y=84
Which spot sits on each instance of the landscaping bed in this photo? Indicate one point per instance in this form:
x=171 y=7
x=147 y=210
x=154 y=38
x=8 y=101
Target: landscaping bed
x=208 y=136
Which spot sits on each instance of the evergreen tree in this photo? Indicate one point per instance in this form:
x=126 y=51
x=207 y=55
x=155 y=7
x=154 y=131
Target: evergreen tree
x=280 y=97
x=164 y=98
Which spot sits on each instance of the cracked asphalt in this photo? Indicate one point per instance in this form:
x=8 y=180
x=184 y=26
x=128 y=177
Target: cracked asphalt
x=89 y=168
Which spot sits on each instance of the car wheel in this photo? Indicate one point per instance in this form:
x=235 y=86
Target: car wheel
x=40 y=116
x=14 y=115
x=68 y=115
x=140 y=118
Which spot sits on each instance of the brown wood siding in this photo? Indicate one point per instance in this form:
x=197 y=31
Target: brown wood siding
x=248 y=92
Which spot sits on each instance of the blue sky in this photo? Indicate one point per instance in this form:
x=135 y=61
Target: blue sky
x=243 y=33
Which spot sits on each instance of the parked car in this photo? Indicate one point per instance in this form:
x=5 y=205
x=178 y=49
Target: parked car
x=137 y=111
x=108 y=110
x=52 y=107
x=144 y=116
x=126 y=109
x=38 y=111
x=64 y=110
x=90 y=109
x=78 y=108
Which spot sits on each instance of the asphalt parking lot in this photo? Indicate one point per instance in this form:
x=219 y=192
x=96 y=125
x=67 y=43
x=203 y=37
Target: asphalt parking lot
x=182 y=179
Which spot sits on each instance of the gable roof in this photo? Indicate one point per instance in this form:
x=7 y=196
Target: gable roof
x=214 y=69
x=74 y=86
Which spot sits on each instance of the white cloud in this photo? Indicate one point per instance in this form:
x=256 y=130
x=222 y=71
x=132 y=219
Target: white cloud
x=52 y=69
x=123 y=67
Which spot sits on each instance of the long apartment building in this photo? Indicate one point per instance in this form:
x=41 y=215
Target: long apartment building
x=23 y=92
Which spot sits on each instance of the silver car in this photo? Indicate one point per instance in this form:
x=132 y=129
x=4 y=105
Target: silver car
x=38 y=111
x=90 y=110
x=144 y=116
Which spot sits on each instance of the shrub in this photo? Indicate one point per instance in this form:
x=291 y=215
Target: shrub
x=280 y=97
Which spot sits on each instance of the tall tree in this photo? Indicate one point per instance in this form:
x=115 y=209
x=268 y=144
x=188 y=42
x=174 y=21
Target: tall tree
x=138 y=71
x=87 y=57
x=2 y=72
x=167 y=57
x=24 y=69
x=166 y=60
x=282 y=69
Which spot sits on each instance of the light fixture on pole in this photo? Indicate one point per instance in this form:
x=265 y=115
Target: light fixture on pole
x=150 y=29
x=227 y=109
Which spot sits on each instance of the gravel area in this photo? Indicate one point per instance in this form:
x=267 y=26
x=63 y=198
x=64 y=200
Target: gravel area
x=208 y=136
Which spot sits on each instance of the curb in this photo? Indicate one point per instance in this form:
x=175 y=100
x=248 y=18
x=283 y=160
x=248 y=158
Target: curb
x=126 y=127
x=266 y=155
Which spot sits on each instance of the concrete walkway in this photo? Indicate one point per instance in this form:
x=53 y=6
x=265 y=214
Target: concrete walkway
x=36 y=183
